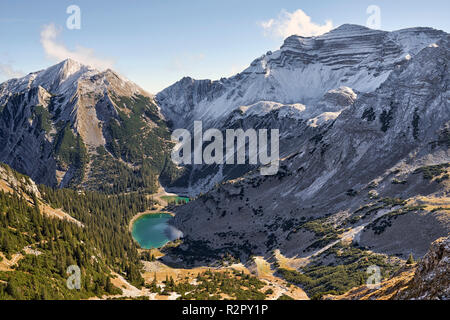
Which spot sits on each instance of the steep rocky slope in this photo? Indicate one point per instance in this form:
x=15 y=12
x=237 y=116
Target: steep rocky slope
x=12 y=182
x=377 y=174
x=71 y=125
x=431 y=280
x=304 y=85
x=428 y=280
x=302 y=71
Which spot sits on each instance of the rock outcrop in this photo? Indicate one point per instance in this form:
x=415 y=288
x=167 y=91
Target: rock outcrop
x=426 y=280
x=431 y=280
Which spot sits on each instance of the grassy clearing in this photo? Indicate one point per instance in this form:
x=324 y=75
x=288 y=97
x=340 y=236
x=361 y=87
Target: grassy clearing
x=175 y=200
x=211 y=285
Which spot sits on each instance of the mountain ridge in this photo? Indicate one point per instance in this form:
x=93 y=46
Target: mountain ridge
x=364 y=157
x=208 y=100
x=61 y=125
x=314 y=79
x=380 y=169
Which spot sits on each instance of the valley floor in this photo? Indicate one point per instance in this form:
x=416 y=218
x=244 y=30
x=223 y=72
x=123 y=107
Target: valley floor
x=161 y=272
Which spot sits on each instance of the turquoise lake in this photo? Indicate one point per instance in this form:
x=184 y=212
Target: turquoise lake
x=153 y=231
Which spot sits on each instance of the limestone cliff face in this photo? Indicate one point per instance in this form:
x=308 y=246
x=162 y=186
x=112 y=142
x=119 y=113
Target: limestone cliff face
x=302 y=71
x=13 y=182
x=432 y=278
x=309 y=82
x=427 y=280
x=64 y=125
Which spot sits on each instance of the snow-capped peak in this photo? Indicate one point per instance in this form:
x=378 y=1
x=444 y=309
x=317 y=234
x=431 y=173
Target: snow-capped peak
x=302 y=71
x=69 y=67
x=68 y=77
x=56 y=79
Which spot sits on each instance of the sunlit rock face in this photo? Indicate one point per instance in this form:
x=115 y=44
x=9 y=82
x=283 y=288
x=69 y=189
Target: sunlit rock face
x=52 y=122
x=307 y=83
x=376 y=145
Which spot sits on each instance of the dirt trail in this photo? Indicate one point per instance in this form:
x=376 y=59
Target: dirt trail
x=6 y=265
x=130 y=291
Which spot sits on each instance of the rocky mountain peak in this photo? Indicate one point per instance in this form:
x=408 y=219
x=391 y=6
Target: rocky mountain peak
x=70 y=66
x=351 y=29
x=302 y=71
x=61 y=76
x=54 y=121
x=344 y=30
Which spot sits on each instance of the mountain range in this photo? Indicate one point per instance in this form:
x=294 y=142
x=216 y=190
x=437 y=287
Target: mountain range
x=299 y=89
x=368 y=160
x=364 y=122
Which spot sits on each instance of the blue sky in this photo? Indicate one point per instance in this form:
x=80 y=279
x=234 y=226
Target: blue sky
x=155 y=43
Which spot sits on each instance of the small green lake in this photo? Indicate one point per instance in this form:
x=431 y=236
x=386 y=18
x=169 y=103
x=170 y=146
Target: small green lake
x=177 y=200
x=153 y=231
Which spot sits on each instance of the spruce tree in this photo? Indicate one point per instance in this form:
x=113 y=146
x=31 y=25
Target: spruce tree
x=410 y=259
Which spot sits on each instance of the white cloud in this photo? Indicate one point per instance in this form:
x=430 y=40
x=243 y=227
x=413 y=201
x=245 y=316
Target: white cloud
x=295 y=23
x=57 y=51
x=7 y=71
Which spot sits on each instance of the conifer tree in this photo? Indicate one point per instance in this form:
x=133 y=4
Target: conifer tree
x=410 y=259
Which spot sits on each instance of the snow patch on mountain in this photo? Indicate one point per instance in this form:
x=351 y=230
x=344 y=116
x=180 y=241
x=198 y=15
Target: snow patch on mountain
x=301 y=72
